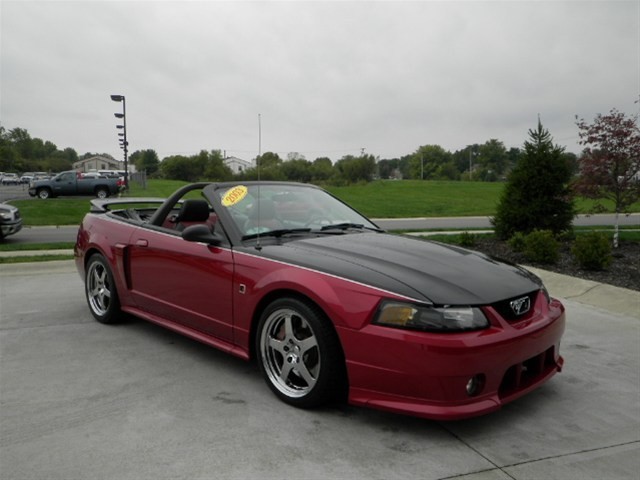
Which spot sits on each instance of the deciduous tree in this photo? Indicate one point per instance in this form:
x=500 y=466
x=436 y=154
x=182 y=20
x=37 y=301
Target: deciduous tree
x=428 y=160
x=610 y=162
x=145 y=160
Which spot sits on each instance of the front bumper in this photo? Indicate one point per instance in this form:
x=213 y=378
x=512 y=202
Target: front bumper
x=10 y=228
x=427 y=375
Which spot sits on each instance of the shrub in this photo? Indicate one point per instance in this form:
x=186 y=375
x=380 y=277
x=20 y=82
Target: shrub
x=468 y=240
x=592 y=251
x=540 y=246
x=516 y=242
x=567 y=236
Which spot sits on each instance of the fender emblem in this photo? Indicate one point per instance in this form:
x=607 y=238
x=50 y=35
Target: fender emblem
x=520 y=306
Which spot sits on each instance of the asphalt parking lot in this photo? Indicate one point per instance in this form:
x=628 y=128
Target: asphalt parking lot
x=80 y=400
x=14 y=192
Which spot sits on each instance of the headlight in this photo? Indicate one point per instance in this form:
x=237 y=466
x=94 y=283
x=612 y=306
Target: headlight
x=433 y=319
x=6 y=215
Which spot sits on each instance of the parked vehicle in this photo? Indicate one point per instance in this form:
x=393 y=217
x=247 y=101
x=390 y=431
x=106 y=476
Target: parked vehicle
x=91 y=175
x=27 y=177
x=112 y=173
x=325 y=302
x=10 y=220
x=10 y=179
x=72 y=183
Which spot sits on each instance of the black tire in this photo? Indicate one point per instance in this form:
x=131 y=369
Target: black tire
x=44 y=193
x=100 y=291
x=101 y=193
x=299 y=354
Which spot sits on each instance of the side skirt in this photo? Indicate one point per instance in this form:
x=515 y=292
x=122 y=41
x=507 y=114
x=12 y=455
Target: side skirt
x=190 y=333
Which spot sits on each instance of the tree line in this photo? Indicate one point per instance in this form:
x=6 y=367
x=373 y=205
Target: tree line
x=491 y=161
x=19 y=152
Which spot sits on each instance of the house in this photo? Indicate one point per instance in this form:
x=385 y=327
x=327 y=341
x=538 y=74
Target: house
x=101 y=162
x=237 y=165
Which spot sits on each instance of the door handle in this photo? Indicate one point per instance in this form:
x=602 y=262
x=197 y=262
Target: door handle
x=142 y=242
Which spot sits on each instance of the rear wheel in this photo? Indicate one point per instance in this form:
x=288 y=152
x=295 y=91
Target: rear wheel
x=299 y=354
x=100 y=290
x=44 y=193
x=102 y=193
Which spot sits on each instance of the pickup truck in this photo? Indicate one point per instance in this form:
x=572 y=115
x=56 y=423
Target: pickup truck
x=72 y=183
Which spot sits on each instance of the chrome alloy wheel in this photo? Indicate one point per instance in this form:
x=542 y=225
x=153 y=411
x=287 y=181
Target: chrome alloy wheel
x=98 y=289
x=290 y=353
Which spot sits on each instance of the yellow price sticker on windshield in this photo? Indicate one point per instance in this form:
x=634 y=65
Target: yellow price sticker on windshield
x=234 y=195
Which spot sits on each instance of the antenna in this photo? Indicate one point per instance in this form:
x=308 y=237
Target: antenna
x=259 y=140
x=258 y=162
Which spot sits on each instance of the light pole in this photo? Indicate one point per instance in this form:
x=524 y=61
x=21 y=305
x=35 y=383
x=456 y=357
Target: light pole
x=124 y=144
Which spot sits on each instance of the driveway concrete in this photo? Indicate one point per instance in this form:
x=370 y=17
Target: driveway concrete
x=81 y=400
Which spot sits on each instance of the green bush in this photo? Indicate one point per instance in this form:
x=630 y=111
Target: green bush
x=516 y=242
x=468 y=240
x=592 y=251
x=540 y=246
x=537 y=194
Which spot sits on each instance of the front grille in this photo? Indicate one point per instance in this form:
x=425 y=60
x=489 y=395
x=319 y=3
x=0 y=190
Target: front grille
x=17 y=215
x=506 y=311
x=522 y=375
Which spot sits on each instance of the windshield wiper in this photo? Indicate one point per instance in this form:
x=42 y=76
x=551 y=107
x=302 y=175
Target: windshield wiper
x=276 y=233
x=346 y=226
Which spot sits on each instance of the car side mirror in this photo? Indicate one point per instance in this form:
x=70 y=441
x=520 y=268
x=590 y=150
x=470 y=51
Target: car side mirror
x=201 y=233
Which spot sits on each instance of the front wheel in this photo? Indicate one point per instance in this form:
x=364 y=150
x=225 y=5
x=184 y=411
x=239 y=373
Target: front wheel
x=101 y=193
x=44 y=193
x=100 y=290
x=299 y=354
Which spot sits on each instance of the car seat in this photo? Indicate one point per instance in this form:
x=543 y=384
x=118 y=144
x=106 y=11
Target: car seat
x=191 y=212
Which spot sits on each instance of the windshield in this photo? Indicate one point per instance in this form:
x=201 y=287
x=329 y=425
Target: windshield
x=281 y=208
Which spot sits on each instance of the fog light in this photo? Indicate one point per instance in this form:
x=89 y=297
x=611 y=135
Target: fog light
x=475 y=385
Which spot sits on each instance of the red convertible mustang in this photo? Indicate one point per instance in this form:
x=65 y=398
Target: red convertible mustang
x=329 y=305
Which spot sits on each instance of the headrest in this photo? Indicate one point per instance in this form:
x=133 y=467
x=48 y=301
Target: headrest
x=193 y=210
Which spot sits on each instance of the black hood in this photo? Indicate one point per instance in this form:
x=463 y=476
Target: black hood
x=424 y=270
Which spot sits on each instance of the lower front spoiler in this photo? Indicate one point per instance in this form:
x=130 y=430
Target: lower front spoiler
x=442 y=411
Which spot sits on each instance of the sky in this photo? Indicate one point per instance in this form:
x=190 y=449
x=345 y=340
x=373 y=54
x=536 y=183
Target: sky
x=319 y=78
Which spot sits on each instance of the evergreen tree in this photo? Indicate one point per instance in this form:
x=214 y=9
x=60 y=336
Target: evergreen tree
x=537 y=194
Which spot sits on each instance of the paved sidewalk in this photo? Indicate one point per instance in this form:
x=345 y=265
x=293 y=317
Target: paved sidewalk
x=600 y=295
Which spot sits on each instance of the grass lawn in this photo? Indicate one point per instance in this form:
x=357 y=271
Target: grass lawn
x=35 y=258
x=413 y=198
x=379 y=199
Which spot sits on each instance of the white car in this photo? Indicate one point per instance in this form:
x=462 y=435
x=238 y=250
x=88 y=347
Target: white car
x=10 y=179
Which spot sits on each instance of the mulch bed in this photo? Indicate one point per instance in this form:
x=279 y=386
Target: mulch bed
x=624 y=270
